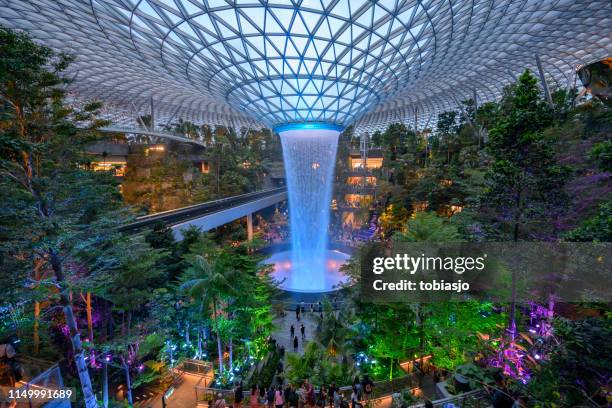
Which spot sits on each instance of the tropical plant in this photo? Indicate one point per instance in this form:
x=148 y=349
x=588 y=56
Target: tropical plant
x=207 y=285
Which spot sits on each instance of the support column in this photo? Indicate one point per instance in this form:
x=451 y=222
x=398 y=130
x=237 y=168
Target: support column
x=543 y=79
x=249 y=219
x=152 y=114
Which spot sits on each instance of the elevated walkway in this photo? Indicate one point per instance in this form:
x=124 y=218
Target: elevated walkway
x=212 y=214
x=151 y=133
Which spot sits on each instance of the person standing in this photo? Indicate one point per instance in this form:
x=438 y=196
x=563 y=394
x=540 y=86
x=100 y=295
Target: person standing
x=297 y=313
x=254 y=398
x=368 y=387
x=295 y=344
x=271 y=395
x=278 y=397
x=357 y=388
x=322 y=397
x=303 y=331
x=238 y=395
x=310 y=394
x=301 y=392
x=332 y=394
x=337 y=399
x=294 y=399
x=287 y=394
x=292 y=330
x=219 y=402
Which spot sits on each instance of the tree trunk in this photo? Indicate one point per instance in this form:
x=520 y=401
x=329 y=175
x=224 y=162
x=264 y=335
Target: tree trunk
x=219 y=350
x=199 y=355
x=515 y=235
x=75 y=337
x=128 y=382
x=35 y=335
x=105 y=382
x=231 y=354
x=89 y=319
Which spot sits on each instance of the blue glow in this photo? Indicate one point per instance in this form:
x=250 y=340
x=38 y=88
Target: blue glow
x=308 y=126
x=310 y=156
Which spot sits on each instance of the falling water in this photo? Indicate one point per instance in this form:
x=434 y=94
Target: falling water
x=310 y=157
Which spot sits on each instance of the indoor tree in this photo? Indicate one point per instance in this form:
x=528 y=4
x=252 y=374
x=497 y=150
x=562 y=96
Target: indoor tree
x=59 y=212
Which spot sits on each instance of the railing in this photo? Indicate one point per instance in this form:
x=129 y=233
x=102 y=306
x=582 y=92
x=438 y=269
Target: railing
x=470 y=399
x=198 y=210
x=381 y=389
x=197 y=367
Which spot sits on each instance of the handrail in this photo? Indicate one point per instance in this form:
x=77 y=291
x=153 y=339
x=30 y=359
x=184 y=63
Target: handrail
x=197 y=210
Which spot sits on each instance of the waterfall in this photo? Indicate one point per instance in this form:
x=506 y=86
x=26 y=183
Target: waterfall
x=310 y=158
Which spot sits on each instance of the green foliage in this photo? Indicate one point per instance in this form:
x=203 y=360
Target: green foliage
x=525 y=181
x=264 y=376
x=428 y=227
x=601 y=153
x=478 y=376
x=577 y=368
x=318 y=366
x=596 y=228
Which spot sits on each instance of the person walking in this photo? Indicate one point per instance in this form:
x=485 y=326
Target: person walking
x=297 y=313
x=303 y=331
x=295 y=344
x=292 y=330
x=278 y=397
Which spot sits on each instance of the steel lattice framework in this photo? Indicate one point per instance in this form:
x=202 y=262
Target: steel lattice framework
x=269 y=62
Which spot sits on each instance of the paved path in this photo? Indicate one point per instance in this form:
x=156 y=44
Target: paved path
x=183 y=396
x=283 y=333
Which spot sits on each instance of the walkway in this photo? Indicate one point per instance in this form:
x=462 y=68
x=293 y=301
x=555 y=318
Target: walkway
x=184 y=395
x=283 y=334
x=210 y=214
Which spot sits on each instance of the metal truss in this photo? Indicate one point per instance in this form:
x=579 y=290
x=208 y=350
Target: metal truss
x=254 y=63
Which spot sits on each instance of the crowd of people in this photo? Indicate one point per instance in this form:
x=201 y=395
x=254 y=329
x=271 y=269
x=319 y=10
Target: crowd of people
x=303 y=395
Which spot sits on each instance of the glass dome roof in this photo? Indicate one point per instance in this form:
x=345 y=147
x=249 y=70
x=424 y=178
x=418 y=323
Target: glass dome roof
x=270 y=62
x=282 y=62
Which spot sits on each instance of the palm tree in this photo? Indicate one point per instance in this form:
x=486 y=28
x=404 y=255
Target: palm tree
x=333 y=329
x=209 y=284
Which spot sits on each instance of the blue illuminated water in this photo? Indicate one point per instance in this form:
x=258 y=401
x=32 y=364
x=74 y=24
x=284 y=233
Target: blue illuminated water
x=310 y=157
